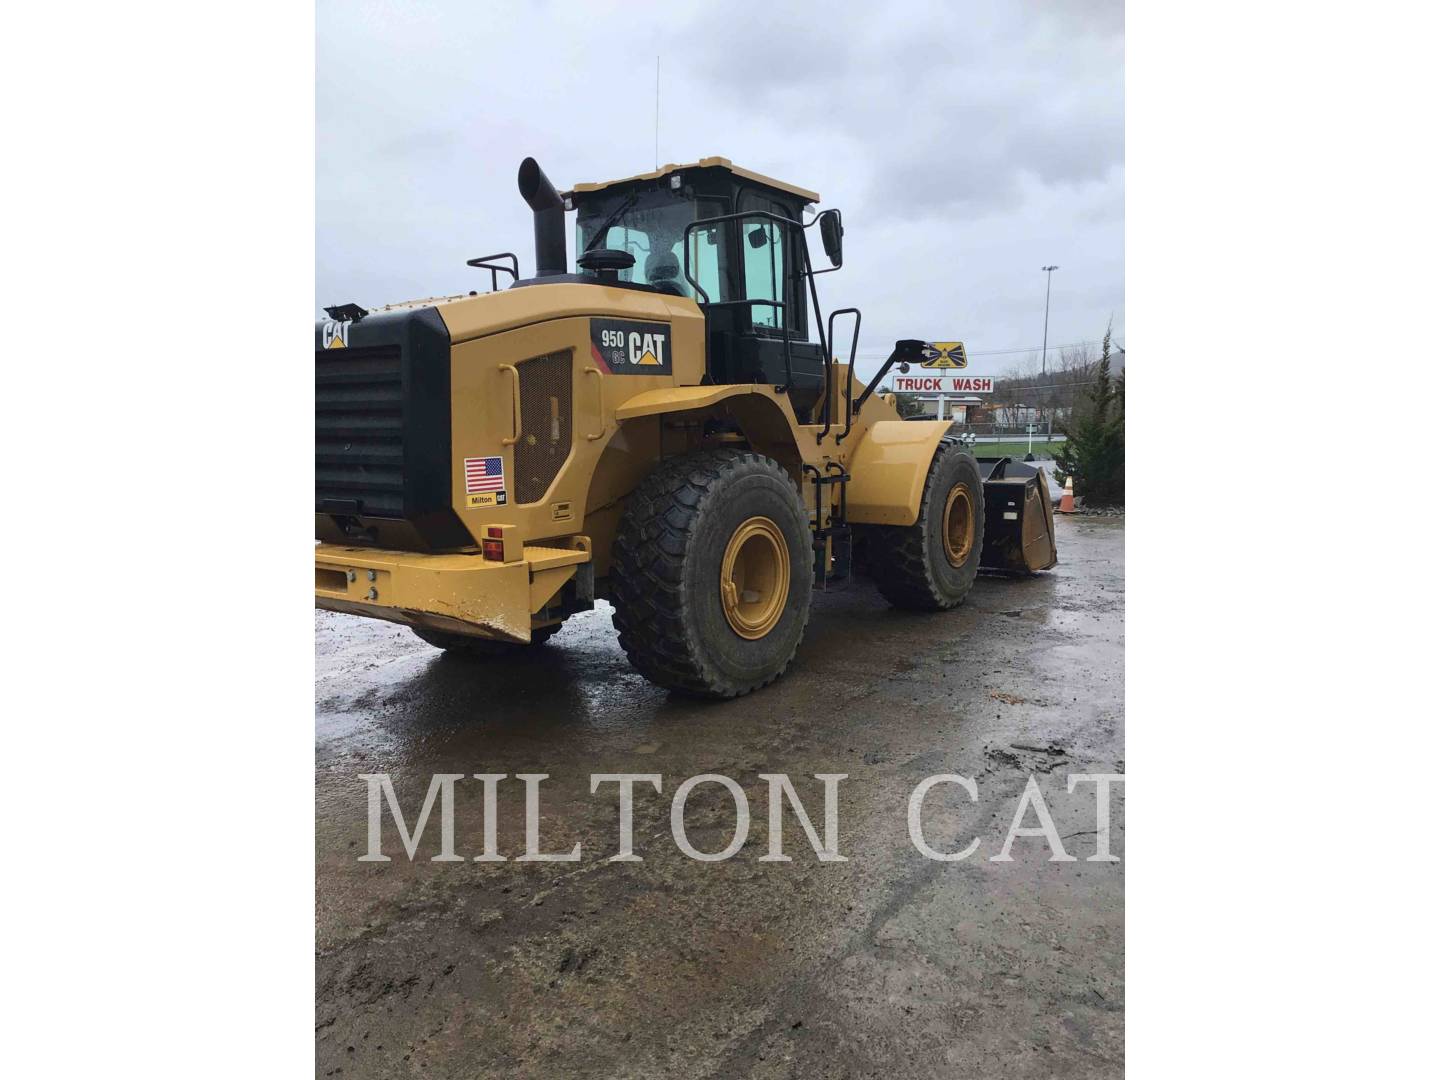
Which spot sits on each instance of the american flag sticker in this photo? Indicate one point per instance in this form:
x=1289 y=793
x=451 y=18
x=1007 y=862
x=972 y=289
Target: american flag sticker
x=484 y=474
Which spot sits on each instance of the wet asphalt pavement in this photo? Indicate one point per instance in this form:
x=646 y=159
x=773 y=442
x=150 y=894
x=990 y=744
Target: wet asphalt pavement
x=888 y=964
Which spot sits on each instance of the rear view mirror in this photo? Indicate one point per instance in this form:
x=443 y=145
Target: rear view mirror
x=832 y=233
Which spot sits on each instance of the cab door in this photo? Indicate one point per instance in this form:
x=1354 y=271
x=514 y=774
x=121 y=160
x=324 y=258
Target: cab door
x=770 y=264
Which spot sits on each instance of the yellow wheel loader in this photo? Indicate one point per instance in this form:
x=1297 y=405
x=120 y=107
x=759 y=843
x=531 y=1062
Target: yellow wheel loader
x=666 y=427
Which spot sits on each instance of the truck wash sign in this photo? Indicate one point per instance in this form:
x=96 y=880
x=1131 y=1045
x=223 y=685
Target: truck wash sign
x=622 y=347
x=943 y=384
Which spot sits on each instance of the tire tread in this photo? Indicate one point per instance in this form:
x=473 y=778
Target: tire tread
x=652 y=612
x=897 y=558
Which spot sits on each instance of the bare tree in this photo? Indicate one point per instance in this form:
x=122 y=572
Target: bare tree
x=1052 y=392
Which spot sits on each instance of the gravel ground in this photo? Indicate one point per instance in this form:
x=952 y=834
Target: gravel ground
x=886 y=964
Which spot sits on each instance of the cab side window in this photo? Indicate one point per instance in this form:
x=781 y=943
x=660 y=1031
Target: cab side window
x=707 y=253
x=766 y=248
x=764 y=269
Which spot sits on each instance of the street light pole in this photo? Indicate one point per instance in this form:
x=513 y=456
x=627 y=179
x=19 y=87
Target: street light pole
x=1045 y=347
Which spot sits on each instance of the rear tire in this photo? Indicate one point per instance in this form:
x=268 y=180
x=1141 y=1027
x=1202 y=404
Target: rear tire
x=712 y=572
x=931 y=565
x=478 y=647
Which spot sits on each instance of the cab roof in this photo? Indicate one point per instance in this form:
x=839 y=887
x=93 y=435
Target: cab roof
x=704 y=163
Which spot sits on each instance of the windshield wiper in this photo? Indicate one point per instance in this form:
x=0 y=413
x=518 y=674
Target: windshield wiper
x=615 y=215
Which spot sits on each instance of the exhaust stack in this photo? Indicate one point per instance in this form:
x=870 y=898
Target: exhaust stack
x=545 y=201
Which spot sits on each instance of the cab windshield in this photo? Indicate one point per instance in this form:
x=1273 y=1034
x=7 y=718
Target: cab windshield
x=650 y=225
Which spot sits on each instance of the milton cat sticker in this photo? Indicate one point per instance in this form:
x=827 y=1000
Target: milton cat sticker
x=622 y=347
x=484 y=481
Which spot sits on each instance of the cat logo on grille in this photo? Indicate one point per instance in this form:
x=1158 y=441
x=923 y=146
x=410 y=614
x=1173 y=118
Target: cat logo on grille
x=335 y=334
x=945 y=354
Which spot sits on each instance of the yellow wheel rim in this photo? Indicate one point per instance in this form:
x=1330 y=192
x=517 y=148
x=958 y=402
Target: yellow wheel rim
x=755 y=578
x=959 y=525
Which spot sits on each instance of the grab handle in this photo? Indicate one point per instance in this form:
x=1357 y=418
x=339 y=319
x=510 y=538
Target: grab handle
x=513 y=438
x=599 y=401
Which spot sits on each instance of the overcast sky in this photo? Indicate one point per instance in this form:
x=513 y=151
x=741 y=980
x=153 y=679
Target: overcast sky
x=968 y=144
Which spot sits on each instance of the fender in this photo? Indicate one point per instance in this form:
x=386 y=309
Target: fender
x=765 y=417
x=889 y=470
x=681 y=399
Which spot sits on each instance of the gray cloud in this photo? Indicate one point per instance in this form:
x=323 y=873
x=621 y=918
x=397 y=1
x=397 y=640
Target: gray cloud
x=968 y=144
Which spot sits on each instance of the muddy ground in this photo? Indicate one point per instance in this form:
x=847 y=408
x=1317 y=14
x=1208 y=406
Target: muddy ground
x=888 y=964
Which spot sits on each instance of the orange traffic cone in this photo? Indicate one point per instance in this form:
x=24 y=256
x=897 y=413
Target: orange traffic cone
x=1067 y=500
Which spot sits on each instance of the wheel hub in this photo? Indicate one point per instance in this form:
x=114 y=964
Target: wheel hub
x=959 y=525
x=755 y=578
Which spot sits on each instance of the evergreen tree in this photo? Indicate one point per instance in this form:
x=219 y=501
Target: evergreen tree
x=1094 y=449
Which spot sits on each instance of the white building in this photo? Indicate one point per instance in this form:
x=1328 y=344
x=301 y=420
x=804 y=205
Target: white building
x=941 y=407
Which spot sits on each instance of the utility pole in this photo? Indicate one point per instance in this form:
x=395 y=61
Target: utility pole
x=1044 y=348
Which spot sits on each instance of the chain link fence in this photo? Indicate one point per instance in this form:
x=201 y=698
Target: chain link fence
x=1041 y=430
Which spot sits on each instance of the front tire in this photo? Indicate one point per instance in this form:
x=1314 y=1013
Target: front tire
x=712 y=573
x=931 y=565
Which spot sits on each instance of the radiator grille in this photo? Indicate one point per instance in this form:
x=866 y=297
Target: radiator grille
x=545 y=414
x=359 y=429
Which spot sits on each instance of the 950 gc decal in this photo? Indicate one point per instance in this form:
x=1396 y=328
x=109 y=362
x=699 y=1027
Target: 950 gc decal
x=623 y=347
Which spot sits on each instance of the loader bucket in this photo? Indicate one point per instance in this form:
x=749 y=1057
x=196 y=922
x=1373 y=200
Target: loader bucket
x=1019 y=523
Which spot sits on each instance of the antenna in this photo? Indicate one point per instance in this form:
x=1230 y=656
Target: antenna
x=657 y=113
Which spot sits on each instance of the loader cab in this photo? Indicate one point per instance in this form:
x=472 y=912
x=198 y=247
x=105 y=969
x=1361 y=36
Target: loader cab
x=729 y=239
